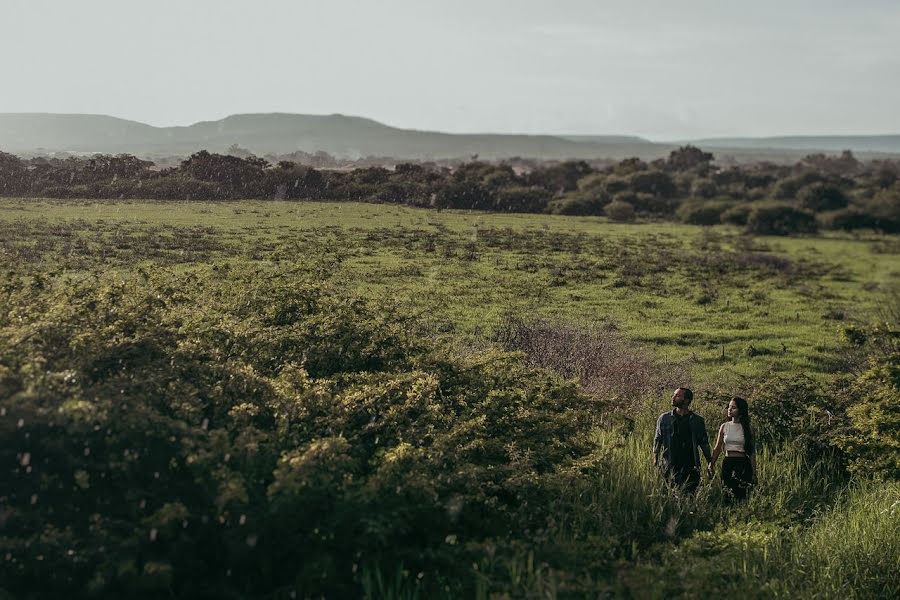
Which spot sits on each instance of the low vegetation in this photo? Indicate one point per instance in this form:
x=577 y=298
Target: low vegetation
x=280 y=399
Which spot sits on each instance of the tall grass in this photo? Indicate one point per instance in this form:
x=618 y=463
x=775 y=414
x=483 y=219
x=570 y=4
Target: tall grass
x=805 y=532
x=852 y=551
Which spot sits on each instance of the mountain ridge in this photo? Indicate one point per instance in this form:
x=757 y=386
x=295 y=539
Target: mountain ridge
x=348 y=136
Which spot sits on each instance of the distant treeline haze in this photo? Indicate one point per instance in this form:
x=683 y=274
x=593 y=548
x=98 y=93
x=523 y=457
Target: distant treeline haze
x=831 y=192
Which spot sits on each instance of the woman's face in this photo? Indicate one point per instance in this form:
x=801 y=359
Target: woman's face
x=733 y=410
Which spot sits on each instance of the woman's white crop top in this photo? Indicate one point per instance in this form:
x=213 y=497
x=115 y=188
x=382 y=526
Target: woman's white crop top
x=734 y=437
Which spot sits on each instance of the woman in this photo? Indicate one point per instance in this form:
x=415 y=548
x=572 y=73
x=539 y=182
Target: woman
x=739 y=464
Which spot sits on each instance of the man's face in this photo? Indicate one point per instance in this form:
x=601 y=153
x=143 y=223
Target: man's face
x=678 y=399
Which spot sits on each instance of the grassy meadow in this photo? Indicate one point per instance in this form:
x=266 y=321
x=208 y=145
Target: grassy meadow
x=726 y=302
x=717 y=308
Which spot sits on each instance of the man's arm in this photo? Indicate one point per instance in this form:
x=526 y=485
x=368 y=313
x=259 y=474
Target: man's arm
x=703 y=440
x=657 y=440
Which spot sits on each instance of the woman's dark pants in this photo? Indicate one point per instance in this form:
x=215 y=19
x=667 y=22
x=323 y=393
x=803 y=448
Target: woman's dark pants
x=737 y=475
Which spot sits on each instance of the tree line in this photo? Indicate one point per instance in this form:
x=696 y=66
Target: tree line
x=830 y=192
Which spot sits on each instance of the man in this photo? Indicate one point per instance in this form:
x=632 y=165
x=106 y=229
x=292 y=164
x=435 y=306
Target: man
x=678 y=436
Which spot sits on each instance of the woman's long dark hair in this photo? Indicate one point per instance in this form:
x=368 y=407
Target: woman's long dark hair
x=749 y=446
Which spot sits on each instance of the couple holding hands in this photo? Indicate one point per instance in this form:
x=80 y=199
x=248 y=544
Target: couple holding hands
x=681 y=435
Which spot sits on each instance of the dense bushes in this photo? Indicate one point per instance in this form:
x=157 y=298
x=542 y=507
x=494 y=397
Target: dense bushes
x=858 y=416
x=843 y=193
x=242 y=432
x=795 y=410
x=872 y=438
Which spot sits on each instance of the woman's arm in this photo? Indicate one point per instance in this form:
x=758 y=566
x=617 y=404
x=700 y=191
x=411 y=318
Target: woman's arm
x=711 y=467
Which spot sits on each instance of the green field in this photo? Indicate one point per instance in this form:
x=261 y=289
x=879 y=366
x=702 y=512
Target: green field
x=706 y=295
x=301 y=399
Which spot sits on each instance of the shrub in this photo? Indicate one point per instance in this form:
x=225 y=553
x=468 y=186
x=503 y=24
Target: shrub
x=231 y=171
x=580 y=203
x=657 y=183
x=704 y=188
x=176 y=187
x=464 y=194
x=688 y=158
x=229 y=430
x=605 y=363
x=886 y=204
x=737 y=214
x=787 y=188
x=793 y=410
x=615 y=184
x=618 y=210
x=848 y=219
x=702 y=213
x=779 y=219
x=596 y=181
x=872 y=440
x=822 y=196
x=648 y=204
x=522 y=199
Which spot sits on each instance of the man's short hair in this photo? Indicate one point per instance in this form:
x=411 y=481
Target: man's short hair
x=688 y=394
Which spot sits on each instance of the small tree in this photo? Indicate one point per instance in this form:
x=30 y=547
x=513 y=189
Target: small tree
x=687 y=158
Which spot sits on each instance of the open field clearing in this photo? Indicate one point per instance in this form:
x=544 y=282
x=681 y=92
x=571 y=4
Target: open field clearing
x=725 y=301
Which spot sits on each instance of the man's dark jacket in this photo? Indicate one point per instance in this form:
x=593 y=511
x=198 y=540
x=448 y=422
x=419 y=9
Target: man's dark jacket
x=662 y=441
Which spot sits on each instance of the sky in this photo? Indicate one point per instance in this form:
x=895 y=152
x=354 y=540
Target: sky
x=665 y=70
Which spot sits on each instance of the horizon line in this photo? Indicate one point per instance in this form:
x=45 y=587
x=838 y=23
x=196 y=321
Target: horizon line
x=647 y=138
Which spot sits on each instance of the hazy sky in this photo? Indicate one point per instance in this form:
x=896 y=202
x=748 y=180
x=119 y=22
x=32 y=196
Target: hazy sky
x=661 y=69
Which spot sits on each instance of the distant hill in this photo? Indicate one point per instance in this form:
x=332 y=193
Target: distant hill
x=77 y=133
x=607 y=139
x=357 y=137
x=338 y=135
x=824 y=143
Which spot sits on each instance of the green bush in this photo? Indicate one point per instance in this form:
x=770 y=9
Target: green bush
x=737 y=214
x=779 y=219
x=789 y=187
x=872 y=439
x=241 y=431
x=703 y=212
x=648 y=204
x=848 y=219
x=580 y=203
x=822 y=196
x=618 y=210
x=657 y=183
x=522 y=199
x=704 y=188
x=794 y=410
